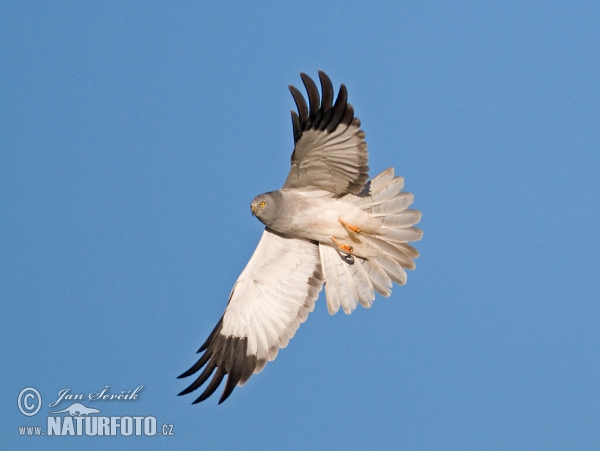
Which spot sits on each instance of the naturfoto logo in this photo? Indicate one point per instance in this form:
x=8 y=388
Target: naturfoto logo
x=79 y=419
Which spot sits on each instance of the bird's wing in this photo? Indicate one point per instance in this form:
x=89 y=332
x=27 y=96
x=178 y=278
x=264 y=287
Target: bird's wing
x=330 y=151
x=269 y=301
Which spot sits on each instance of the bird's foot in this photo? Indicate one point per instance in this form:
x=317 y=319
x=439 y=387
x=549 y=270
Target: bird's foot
x=350 y=227
x=343 y=247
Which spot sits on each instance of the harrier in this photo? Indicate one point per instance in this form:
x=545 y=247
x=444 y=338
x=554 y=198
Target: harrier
x=329 y=226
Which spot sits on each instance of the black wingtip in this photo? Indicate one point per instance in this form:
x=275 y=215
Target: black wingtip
x=339 y=109
x=348 y=115
x=326 y=92
x=296 y=125
x=313 y=93
x=212 y=386
x=185 y=392
x=228 y=356
x=321 y=113
x=224 y=396
x=229 y=386
x=300 y=103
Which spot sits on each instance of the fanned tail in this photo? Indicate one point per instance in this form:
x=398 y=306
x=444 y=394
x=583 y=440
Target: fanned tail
x=347 y=284
x=351 y=280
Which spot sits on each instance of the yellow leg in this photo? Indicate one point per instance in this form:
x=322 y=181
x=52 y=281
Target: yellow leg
x=350 y=227
x=344 y=247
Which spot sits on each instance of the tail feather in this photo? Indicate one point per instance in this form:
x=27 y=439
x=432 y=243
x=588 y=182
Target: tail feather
x=393 y=269
x=367 y=292
x=405 y=218
x=349 y=281
x=396 y=204
x=394 y=251
x=380 y=280
x=348 y=290
x=331 y=283
x=401 y=235
x=393 y=187
x=339 y=290
x=376 y=184
x=408 y=249
x=346 y=285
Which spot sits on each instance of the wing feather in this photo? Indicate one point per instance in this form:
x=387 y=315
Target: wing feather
x=330 y=152
x=269 y=301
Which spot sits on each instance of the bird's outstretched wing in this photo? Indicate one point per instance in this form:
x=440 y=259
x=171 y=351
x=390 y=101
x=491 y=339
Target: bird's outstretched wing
x=330 y=151
x=269 y=301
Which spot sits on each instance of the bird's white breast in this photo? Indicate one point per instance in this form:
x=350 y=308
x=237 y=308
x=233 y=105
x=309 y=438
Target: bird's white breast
x=316 y=217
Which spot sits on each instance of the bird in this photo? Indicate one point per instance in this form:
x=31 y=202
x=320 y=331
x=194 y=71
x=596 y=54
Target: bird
x=329 y=225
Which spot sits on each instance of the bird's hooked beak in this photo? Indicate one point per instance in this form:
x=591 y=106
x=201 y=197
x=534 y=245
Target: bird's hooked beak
x=253 y=208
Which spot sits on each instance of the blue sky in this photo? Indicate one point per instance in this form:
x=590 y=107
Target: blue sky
x=134 y=135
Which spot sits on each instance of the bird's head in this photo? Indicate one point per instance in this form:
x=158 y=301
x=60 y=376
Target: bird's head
x=264 y=207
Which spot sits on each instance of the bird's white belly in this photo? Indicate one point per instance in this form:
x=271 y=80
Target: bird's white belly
x=319 y=218
x=321 y=226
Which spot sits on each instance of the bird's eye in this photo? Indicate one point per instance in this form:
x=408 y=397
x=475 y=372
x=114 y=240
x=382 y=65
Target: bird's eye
x=262 y=204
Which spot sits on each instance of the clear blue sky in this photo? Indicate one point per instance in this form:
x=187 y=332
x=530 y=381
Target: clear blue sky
x=133 y=137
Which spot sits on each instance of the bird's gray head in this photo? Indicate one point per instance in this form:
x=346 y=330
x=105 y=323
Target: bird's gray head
x=265 y=207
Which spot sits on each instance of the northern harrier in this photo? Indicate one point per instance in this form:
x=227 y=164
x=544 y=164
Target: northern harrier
x=328 y=224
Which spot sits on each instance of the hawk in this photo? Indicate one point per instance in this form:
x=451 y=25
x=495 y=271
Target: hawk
x=328 y=226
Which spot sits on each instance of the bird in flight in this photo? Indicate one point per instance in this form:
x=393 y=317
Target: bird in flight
x=328 y=226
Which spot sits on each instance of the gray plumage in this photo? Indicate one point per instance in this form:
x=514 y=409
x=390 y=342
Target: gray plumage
x=329 y=226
